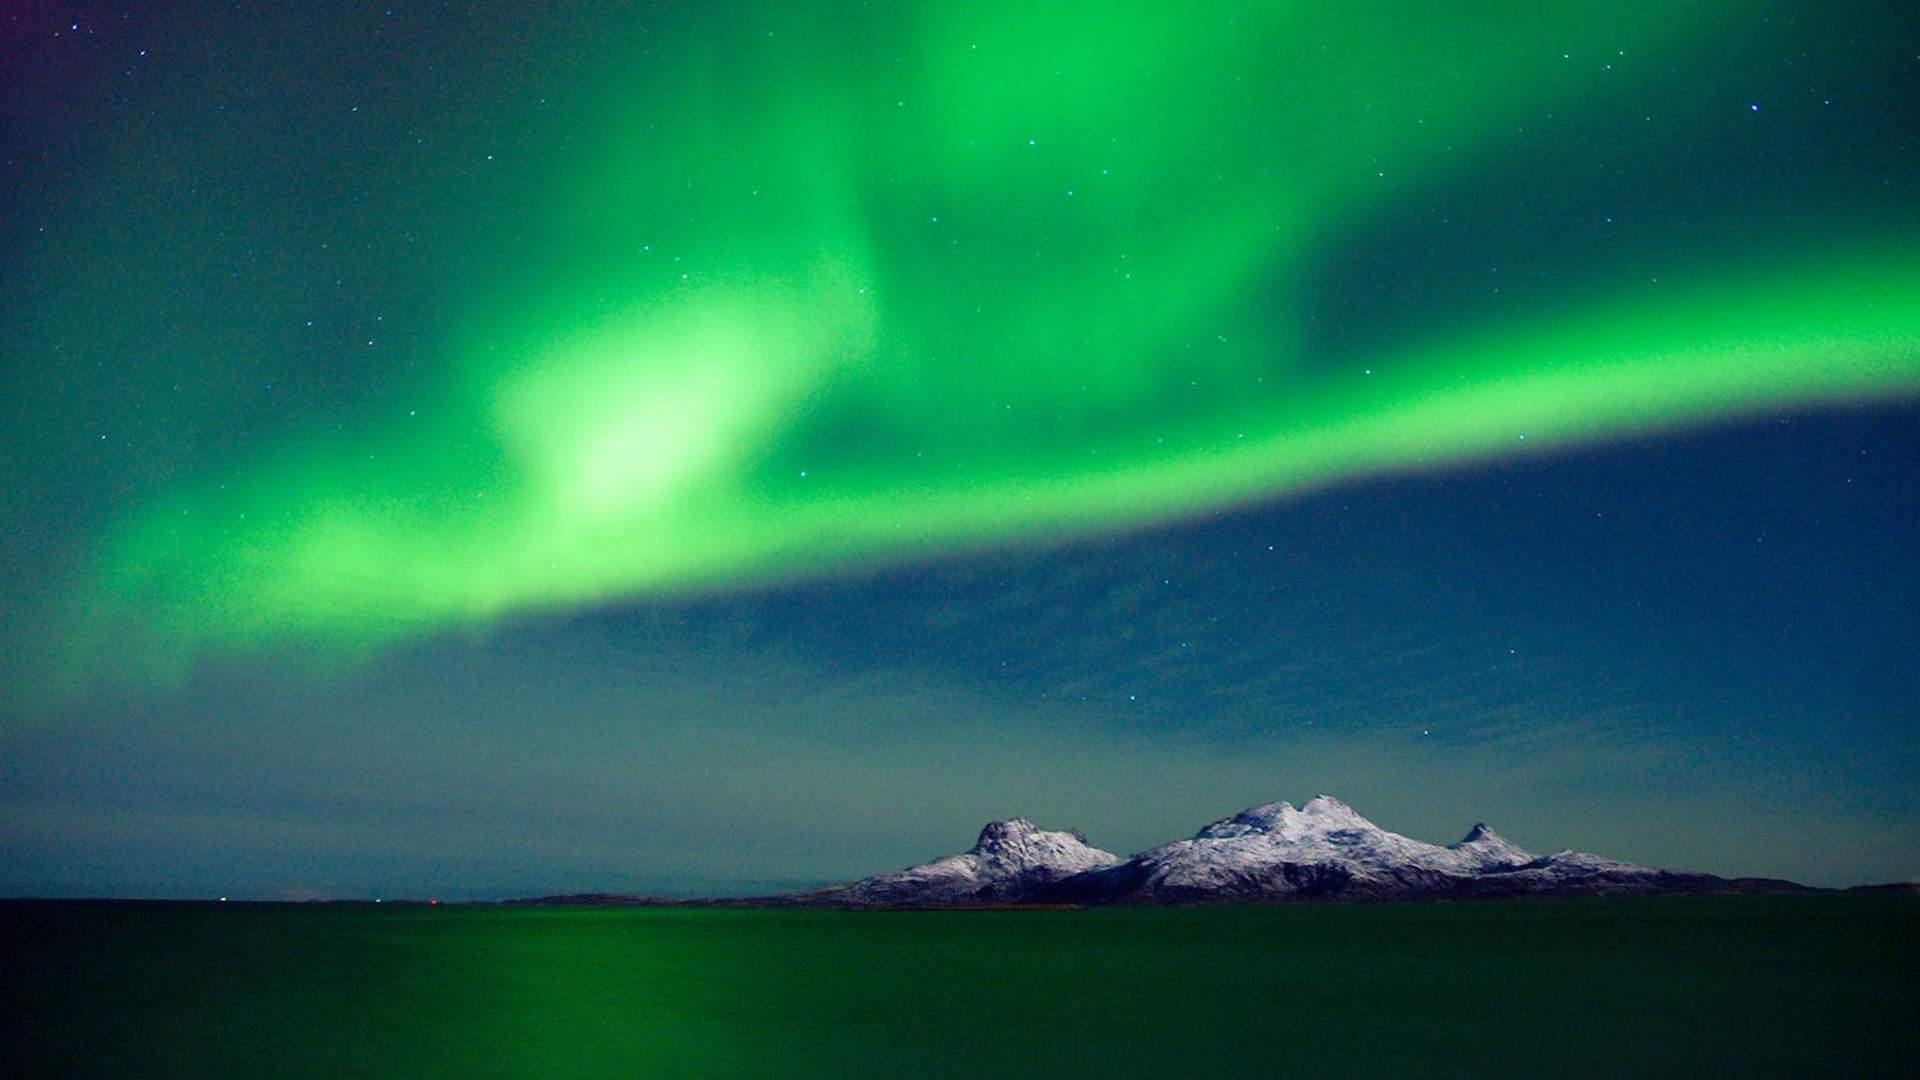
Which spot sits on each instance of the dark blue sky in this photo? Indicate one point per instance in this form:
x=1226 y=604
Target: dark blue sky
x=1695 y=650
x=267 y=248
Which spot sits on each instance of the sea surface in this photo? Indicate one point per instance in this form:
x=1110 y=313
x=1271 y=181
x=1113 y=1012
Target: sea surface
x=1761 y=985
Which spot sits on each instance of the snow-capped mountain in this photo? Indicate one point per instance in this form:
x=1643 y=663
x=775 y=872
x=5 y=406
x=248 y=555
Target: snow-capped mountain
x=1011 y=863
x=1325 y=850
x=1275 y=851
x=1322 y=850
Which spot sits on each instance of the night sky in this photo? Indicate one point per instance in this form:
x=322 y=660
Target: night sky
x=708 y=447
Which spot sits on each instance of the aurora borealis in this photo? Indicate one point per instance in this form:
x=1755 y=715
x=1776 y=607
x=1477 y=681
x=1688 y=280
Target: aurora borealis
x=353 y=334
x=795 y=306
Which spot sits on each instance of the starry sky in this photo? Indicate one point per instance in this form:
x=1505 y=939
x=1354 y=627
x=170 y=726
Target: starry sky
x=698 y=448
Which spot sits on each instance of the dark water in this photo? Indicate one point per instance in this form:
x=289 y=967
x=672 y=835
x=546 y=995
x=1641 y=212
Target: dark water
x=1785 y=986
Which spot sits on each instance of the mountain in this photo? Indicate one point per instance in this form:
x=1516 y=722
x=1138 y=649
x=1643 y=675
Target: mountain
x=1325 y=850
x=1322 y=850
x=1012 y=862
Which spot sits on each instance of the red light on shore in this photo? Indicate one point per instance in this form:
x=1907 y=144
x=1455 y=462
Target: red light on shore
x=431 y=903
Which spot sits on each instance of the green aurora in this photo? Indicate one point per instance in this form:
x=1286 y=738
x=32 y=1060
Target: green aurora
x=812 y=294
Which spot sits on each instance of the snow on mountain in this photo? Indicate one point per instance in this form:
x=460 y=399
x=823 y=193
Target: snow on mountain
x=1012 y=861
x=1322 y=850
x=1485 y=849
x=1274 y=852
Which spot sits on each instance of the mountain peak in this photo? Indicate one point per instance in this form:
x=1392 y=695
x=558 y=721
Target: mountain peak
x=1320 y=814
x=1266 y=812
x=1326 y=806
x=1267 y=817
x=1011 y=861
x=1324 y=813
x=1489 y=848
x=997 y=833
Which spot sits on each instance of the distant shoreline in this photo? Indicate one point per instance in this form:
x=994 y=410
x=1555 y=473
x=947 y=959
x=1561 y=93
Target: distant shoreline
x=777 y=903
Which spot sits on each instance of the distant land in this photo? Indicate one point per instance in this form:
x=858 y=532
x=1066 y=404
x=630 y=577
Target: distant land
x=1274 y=853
